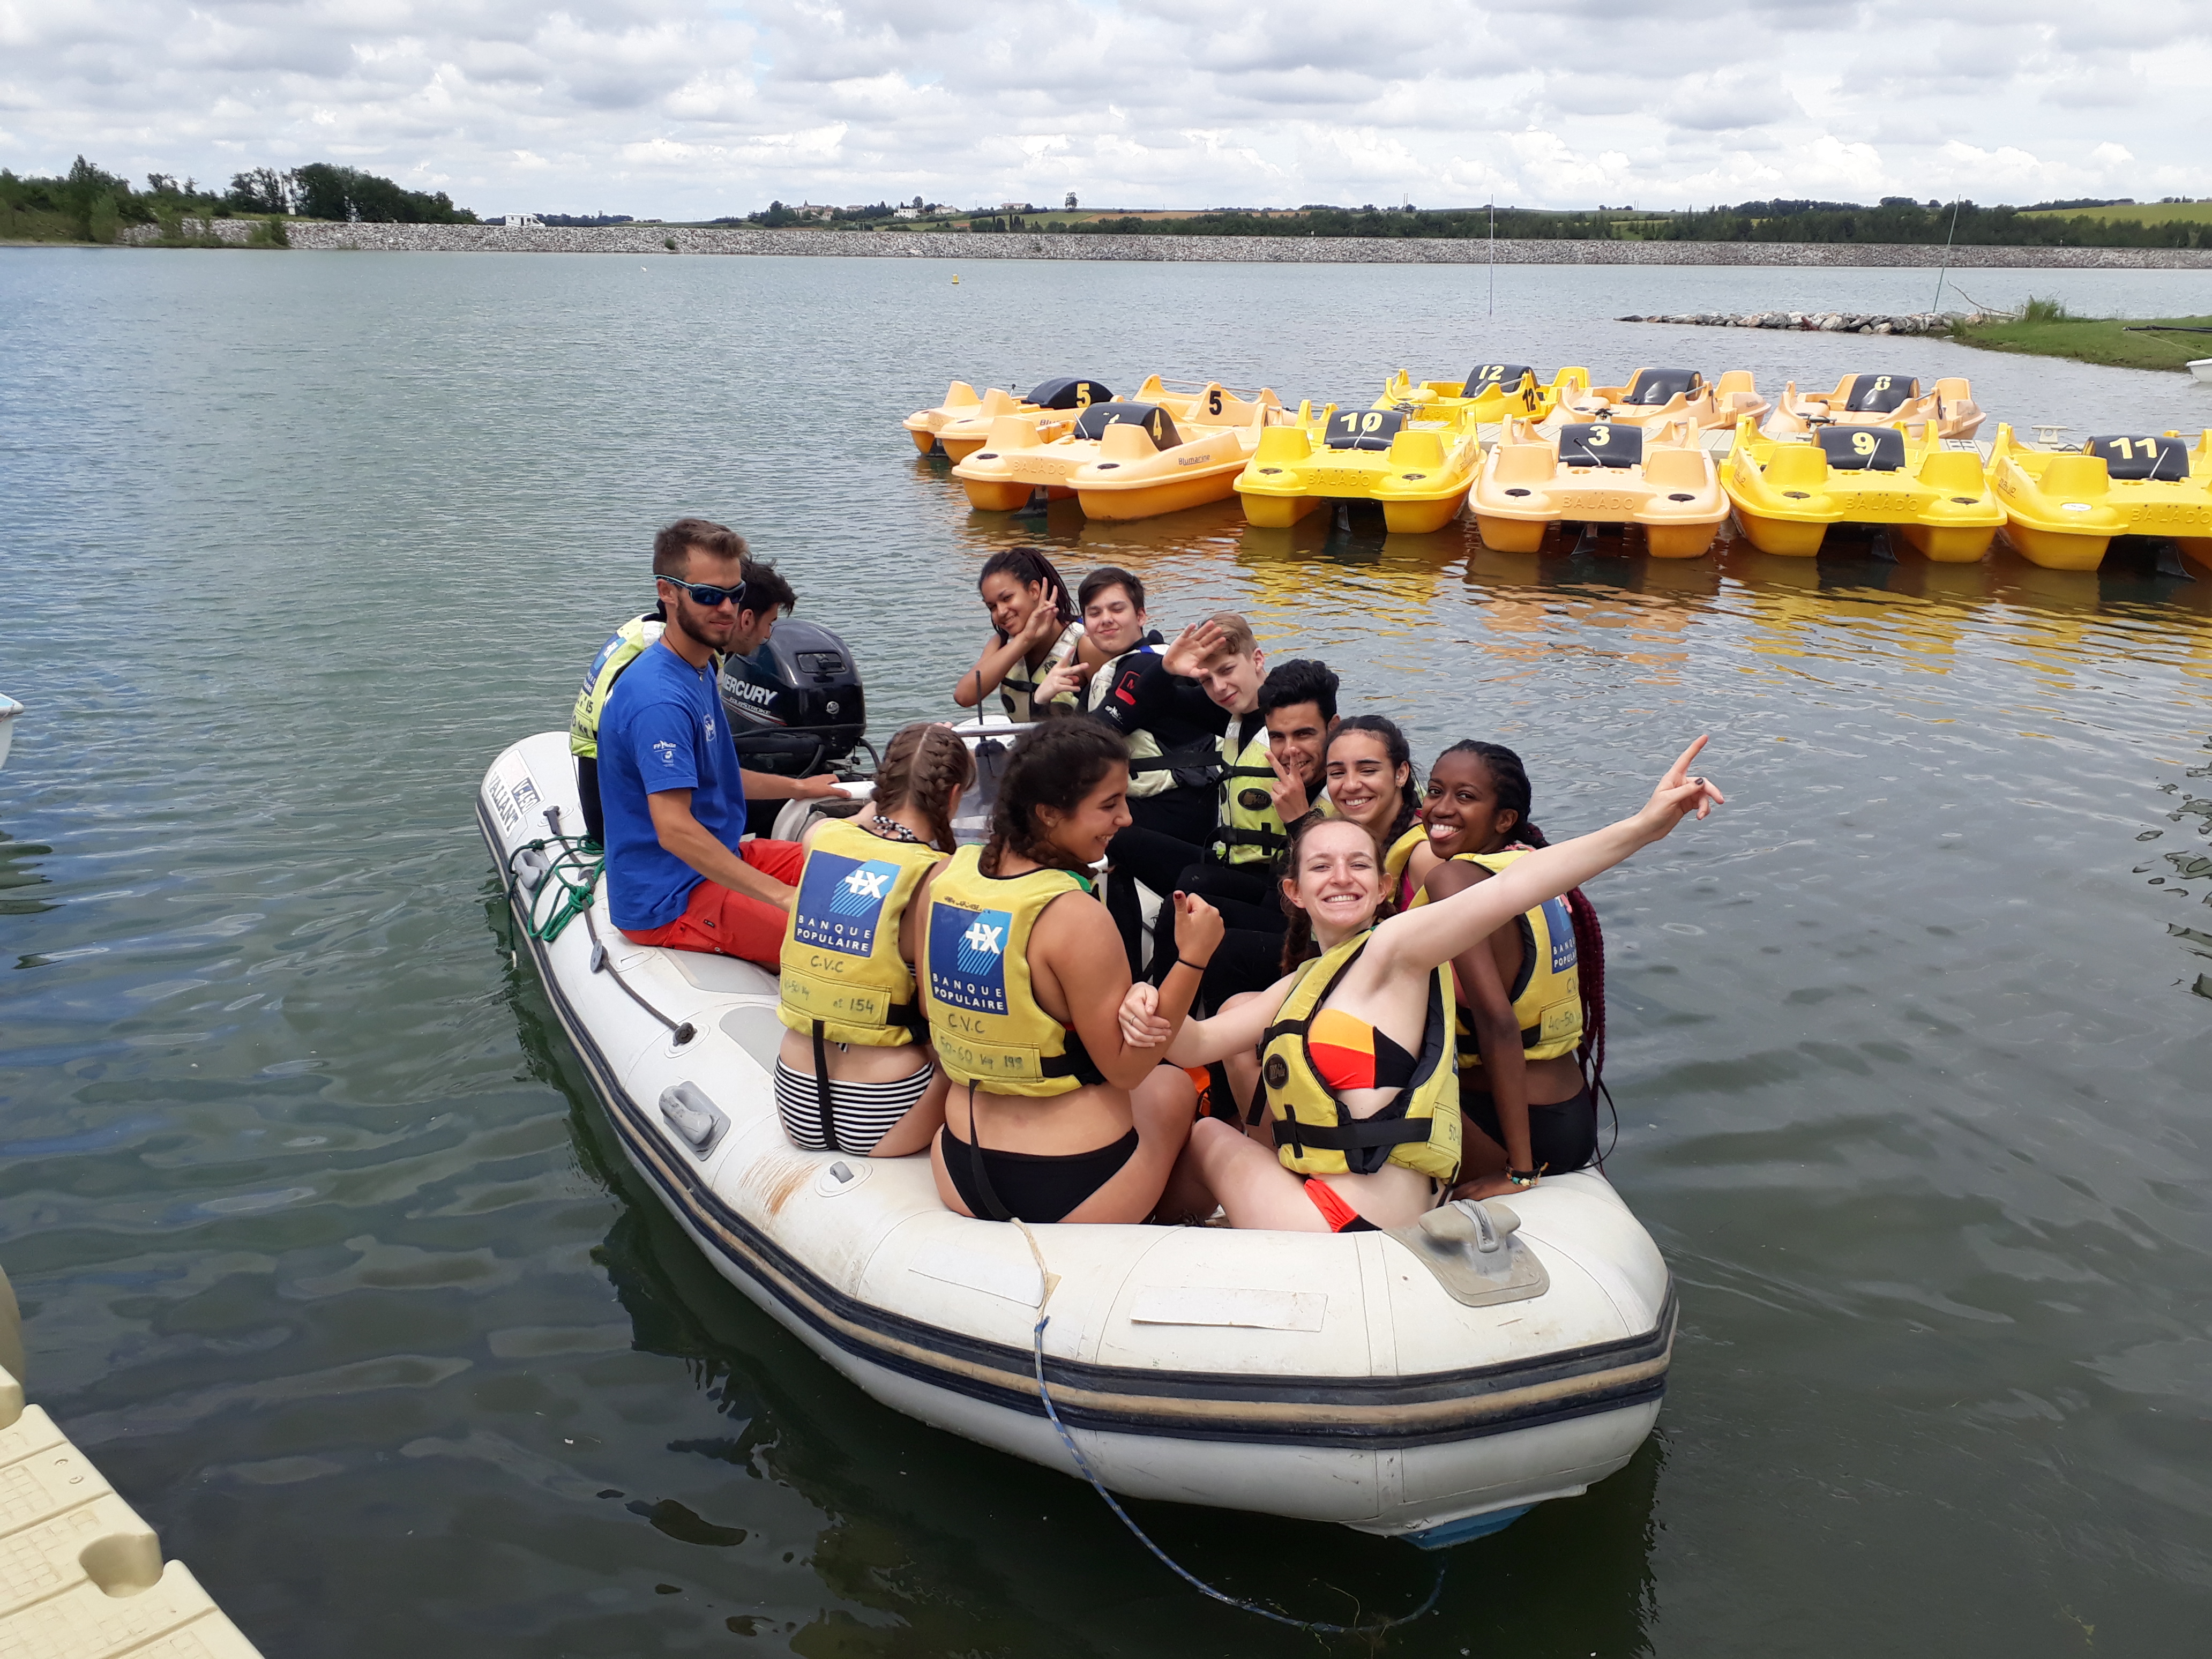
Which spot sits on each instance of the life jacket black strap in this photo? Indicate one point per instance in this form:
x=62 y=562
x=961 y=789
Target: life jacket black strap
x=824 y=1101
x=1351 y=1134
x=978 y=1171
x=1074 y=1061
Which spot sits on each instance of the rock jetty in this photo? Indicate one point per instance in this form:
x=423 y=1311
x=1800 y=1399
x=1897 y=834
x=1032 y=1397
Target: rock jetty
x=1822 y=322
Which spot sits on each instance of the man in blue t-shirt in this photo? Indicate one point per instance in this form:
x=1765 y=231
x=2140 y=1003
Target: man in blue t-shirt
x=678 y=874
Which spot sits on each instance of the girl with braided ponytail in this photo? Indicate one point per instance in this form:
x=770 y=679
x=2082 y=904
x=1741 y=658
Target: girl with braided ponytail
x=1531 y=994
x=855 y=1074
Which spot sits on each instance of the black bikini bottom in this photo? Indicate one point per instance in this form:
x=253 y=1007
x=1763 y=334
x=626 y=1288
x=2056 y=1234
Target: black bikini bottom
x=1562 y=1137
x=1028 y=1186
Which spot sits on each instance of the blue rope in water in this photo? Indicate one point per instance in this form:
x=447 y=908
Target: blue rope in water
x=1197 y=1584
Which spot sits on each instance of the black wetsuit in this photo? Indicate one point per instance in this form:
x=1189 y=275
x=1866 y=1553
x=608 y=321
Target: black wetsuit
x=1144 y=697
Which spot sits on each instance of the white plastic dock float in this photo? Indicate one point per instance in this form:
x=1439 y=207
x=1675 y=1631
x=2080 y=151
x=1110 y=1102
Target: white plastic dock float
x=81 y=1575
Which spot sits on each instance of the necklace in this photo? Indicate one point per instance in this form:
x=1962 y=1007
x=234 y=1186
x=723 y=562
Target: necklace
x=892 y=830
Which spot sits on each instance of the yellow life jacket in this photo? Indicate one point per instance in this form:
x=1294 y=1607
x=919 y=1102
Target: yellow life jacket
x=983 y=1018
x=1247 y=828
x=621 y=649
x=1398 y=854
x=1314 y=1135
x=1018 y=691
x=1547 y=998
x=842 y=971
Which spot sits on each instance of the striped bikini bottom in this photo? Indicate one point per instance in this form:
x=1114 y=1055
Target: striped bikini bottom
x=858 y=1115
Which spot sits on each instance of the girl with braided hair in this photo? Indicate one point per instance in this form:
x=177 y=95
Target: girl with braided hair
x=1038 y=653
x=855 y=1074
x=1053 y=1115
x=1531 y=994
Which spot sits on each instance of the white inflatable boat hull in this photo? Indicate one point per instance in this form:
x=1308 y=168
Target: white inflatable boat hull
x=1323 y=1377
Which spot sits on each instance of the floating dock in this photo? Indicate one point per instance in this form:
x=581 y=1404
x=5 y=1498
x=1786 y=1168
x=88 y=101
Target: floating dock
x=81 y=1575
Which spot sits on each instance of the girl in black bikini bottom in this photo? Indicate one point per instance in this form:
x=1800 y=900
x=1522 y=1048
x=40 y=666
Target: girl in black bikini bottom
x=1562 y=1138
x=1030 y=1186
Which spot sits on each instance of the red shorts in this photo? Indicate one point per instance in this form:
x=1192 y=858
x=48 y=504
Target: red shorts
x=734 y=924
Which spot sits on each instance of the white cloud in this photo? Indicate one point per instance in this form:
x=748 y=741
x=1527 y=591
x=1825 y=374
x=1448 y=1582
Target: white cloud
x=684 y=108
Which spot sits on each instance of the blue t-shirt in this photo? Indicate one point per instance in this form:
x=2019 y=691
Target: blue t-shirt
x=663 y=728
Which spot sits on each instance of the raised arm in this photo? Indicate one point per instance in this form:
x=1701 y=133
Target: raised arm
x=1434 y=933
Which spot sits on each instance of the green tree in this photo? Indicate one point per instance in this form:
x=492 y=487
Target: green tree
x=100 y=218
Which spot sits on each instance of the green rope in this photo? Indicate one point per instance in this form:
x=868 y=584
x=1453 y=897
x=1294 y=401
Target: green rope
x=572 y=872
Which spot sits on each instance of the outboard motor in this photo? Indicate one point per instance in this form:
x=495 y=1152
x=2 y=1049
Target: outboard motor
x=796 y=707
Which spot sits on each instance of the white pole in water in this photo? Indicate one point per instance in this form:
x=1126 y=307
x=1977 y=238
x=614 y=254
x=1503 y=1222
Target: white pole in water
x=1493 y=259
x=1945 y=271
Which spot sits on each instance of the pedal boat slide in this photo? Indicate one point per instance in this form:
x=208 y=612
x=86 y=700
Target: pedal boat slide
x=1786 y=495
x=1429 y=1383
x=1600 y=472
x=2063 y=507
x=1418 y=471
x=1879 y=400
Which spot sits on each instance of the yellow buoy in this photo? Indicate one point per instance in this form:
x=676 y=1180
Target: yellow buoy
x=955 y=282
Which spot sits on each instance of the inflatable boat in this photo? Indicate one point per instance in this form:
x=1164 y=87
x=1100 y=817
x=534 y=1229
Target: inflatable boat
x=1429 y=1383
x=1786 y=495
x=1493 y=393
x=1600 y=472
x=1655 y=398
x=1880 y=400
x=2063 y=507
x=1417 y=471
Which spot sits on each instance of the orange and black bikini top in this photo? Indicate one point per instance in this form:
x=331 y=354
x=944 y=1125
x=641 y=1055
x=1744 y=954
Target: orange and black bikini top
x=1349 y=1053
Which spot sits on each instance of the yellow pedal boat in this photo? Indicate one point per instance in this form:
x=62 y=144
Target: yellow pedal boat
x=1787 y=494
x=1178 y=450
x=1418 y=471
x=2063 y=507
x=1595 y=473
x=1051 y=404
x=1497 y=392
x=1656 y=397
x=1879 y=400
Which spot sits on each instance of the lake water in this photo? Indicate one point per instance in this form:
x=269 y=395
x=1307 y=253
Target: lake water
x=326 y=1256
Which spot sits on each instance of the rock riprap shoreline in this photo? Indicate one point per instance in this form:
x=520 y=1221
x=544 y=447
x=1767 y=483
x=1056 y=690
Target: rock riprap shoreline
x=649 y=239
x=1822 y=322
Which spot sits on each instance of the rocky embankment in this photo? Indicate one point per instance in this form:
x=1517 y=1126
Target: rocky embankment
x=650 y=239
x=1822 y=322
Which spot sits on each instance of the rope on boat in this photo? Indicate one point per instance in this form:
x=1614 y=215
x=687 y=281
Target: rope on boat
x=572 y=872
x=1083 y=1463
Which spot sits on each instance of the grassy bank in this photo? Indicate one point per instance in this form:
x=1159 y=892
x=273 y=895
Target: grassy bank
x=2045 y=329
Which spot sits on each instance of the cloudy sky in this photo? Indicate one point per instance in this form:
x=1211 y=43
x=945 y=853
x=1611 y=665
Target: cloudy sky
x=675 y=108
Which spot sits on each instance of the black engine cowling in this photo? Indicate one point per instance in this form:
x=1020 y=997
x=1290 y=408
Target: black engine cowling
x=796 y=707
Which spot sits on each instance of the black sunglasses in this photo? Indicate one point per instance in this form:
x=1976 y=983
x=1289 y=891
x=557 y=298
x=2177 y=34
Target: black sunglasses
x=708 y=595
